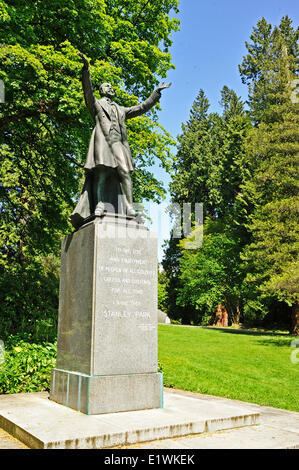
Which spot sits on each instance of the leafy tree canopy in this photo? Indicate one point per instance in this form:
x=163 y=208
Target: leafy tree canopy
x=45 y=126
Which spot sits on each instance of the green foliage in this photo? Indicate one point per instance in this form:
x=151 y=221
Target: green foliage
x=271 y=259
x=243 y=166
x=133 y=36
x=211 y=160
x=29 y=302
x=263 y=59
x=171 y=265
x=210 y=167
x=45 y=126
x=162 y=291
x=211 y=274
x=27 y=366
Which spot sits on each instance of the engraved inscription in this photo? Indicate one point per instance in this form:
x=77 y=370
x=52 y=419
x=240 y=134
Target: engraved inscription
x=146 y=327
x=125 y=314
x=126 y=276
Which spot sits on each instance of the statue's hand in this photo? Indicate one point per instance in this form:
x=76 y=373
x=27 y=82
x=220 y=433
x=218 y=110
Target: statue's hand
x=84 y=60
x=163 y=85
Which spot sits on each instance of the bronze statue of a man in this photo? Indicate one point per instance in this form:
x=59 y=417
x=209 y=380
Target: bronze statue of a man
x=109 y=161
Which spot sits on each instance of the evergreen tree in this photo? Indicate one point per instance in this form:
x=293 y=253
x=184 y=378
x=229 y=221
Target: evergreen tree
x=210 y=161
x=210 y=167
x=247 y=179
x=258 y=65
x=271 y=259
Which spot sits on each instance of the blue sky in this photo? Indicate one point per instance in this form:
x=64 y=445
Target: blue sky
x=206 y=53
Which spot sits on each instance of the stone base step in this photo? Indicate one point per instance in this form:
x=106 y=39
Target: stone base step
x=43 y=424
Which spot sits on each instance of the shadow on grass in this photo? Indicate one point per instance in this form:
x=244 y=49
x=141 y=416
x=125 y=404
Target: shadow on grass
x=281 y=342
x=276 y=339
x=249 y=332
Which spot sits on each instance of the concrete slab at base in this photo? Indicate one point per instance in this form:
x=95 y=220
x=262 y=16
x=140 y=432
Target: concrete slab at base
x=43 y=424
x=99 y=394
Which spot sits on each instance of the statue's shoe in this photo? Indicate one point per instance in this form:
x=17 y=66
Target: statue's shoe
x=99 y=210
x=76 y=220
x=131 y=212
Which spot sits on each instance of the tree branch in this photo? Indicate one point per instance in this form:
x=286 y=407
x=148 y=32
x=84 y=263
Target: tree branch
x=139 y=14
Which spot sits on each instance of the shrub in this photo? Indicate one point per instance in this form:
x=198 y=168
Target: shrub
x=27 y=366
x=29 y=303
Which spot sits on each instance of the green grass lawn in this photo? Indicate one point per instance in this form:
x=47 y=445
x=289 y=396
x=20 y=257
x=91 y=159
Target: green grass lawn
x=247 y=367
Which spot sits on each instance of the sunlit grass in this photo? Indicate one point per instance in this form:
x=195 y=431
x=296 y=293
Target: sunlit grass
x=247 y=367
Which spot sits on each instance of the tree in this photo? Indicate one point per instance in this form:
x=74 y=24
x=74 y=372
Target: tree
x=45 y=127
x=210 y=166
x=245 y=172
x=211 y=275
x=171 y=265
x=210 y=160
x=272 y=256
x=162 y=291
x=259 y=63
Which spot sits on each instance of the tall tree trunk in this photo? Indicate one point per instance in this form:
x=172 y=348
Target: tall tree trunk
x=234 y=310
x=238 y=314
x=295 y=319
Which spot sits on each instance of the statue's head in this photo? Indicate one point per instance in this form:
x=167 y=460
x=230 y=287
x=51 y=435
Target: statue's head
x=106 y=89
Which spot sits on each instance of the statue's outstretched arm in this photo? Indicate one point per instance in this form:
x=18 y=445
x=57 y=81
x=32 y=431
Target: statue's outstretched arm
x=142 y=108
x=87 y=85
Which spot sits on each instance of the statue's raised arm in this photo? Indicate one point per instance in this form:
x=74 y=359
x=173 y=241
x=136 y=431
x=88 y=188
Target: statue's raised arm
x=87 y=85
x=142 y=108
x=84 y=60
x=163 y=85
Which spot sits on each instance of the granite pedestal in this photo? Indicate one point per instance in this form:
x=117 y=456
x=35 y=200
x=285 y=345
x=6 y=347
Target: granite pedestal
x=107 y=328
